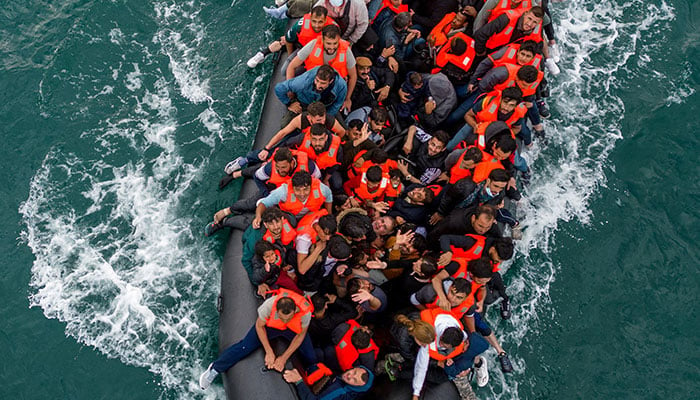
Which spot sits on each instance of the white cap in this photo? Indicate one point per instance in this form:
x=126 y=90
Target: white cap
x=336 y=3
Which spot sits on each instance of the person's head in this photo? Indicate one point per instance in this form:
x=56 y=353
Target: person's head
x=316 y=113
x=377 y=156
x=458 y=292
x=331 y=39
x=364 y=66
x=320 y=303
x=459 y=21
x=273 y=219
x=480 y=270
x=438 y=143
x=326 y=227
x=422 y=332
x=483 y=219
x=357 y=376
x=451 y=338
x=354 y=129
x=319 y=137
x=377 y=118
x=458 y=46
x=527 y=51
x=510 y=98
x=301 y=185
x=356 y=284
x=383 y=226
x=360 y=339
x=425 y=266
x=532 y=18
x=265 y=251
x=286 y=309
x=324 y=78
x=501 y=250
x=374 y=177
x=416 y=80
x=402 y=21
x=503 y=147
x=526 y=76
x=472 y=157
x=395 y=177
x=395 y=3
x=318 y=18
x=497 y=181
x=421 y=195
x=338 y=248
x=283 y=160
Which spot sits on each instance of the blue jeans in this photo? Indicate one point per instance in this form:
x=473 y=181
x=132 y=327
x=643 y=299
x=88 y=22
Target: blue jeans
x=458 y=114
x=477 y=345
x=238 y=351
x=461 y=134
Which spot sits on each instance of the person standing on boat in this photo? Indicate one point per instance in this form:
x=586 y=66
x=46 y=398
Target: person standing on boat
x=318 y=84
x=286 y=314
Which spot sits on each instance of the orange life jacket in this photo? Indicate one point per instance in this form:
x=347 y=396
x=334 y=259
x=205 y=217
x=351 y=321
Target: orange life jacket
x=483 y=169
x=387 y=4
x=306 y=34
x=320 y=372
x=363 y=193
x=502 y=38
x=463 y=61
x=528 y=90
x=326 y=159
x=429 y=316
x=505 y=5
x=392 y=193
x=489 y=110
x=288 y=234
x=315 y=201
x=306 y=224
x=346 y=353
x=441 y=30
x=472 y=253
x=457 y=172
x=338 y=63
x=302 y=161
x=510 y=56
x=294 y=325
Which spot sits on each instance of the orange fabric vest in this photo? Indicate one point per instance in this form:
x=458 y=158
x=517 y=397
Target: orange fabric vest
x=441 y=30
x=472 y=253
x=457 y=172
x=346 y=353
x=387 y=4
x=505 y=5
x=363 y=192
x=288 y=233
x=502 y=38
x=392 y=193
x=464 y=61
x=294 y=325
x=320 y=372
x=338 y=63
x=489 y=110
x=510 y=56
x=528 y=90
x=306 y=34
x=483 y=169
x=429 y=316
x=326 y=159
x=306 y=224
x=315 y=201
x=302 y=160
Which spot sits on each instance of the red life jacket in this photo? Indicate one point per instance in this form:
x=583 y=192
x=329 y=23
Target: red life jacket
x=387 y=4
x=288 y=234
x=463 y=61
x=363 y=193
x=315 y=201
x=294 y=325
x=306 y=34
x=392 y=193
x=502 y=38
x=326 y=159
x=320 y=372
x=338 y=63
x=302 y=164
x=429 y=316
x=306 y=224
x=472 y=253
x=457 y=172
x=489 y=110
x=483 y=169
x=441 y=30
x=346 y=353
x=510 y=56
x=505 y=5
x=528 y=90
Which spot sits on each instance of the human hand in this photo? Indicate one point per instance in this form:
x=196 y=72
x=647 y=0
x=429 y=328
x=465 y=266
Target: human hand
x=278 y=365
x=388 y=51
x=262 y=289
x=269 y=359
x=435 y=218
x=405 y=238
x=361 y=296
x=470 y=11
x=444 y=303
x=404 y=97
x=393 y=64
x=449 y=362
x=256 y=222
x=262 y=155
x=347 y=104
x=371 y=84
x=511 y=183
x=382 y=93
x=381 y=207
x=376 y=264
x=295 y=107
x=430 y=106
x=445 y=258
x=403 y=167
x=407 y=149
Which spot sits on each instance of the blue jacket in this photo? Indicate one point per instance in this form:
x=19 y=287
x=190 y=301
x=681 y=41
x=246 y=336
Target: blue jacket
x=303 y=88
x=336 y=390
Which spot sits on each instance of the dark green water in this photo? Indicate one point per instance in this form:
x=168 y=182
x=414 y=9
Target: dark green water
x=116 y=118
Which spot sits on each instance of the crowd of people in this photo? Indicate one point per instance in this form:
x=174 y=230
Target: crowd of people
x=380 y=222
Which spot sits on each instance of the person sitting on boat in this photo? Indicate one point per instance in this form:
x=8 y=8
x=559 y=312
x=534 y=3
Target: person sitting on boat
x=317 y=272
x=329 y=50
x=329 y=312
x=270 y=271
x=458 y=297
x=413 y=203
x=387 y=10
x=397 y=35
x=318 y=84
x=357 y=144
x=351 y=346
x=323 y=147
x=510 y=27
x=314 y=227
x=305 y=195
x=370 y=298
x=454 y=60
x=438 y=106
x=427 y=154
x=376 y=119
x=462 y=221
x=499 y=148
x=374 y=84
x=281 y=167
x=350 y=15
x=406 y=244
x=461 y=163
x=451 y=24
x=350 y=385
x=414 y=275
x=285 y=314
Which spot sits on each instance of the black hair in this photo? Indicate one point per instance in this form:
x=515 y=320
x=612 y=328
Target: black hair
x=301 y=179
x=480 y=268
x=319 y=301
x=319 y=10
x=395 y=173
x=377 y=156
x=458 y=46
x=374 y=174
x=318 y=130
x=531 y=46
x=327 y=223
x=402 y=20
x=330 y=31
x=286 y=306
x=356 y=124
x=504 y=248
x=360 y=339
x=473 y=153
x=442 y=136
x=338 y=248
x=462 y=285
x=537 y=11
x=271 y=214
x=499 y=175
x=428 y=266
x=379 y=115
x=283 y=154
x=354 y=231
x=316 y=109
x=353 y=286
x=262 y=246
x=485 y=209
x=452 y=336
x=414 y=78
x=420 y=243
x=339 y=199
x=325 y=73
x=512 y=93
x=527 y=73
x=506 y=143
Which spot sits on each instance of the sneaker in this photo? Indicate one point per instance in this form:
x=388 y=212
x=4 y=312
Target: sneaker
x=395 y=358
x=543 y=109
x=505 y=310
x=225 y=181
x=211 y=228
x=516 y=233
x=506 y=366
x=482 y=373
x=552 y=66
x=277 y=13
x=235 y=165
x=256 y=59
x=554 y=52
x=280 y=3
x=207 y=377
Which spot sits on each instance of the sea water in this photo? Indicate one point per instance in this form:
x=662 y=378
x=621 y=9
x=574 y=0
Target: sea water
x=118 y=116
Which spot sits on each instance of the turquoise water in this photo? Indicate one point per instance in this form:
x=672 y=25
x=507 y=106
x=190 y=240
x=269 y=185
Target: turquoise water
x=118 y=116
